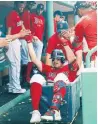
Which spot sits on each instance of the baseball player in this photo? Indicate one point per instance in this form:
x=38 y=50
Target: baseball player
x=57 y=16
x=26 y=18
x=86 y=27
x=60 y=74
x=55 y=42
x=15 y=26
x=37 y=30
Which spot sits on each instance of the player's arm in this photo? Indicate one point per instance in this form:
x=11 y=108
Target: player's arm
x=23 y=27
x=18 y=35
x=33 y=57
x=9 y=31
x=3 y=42
x=69 y=54
x=50 y=47
x=74 y=61
x=78 y=37
x=79 y=57
x=48 y=60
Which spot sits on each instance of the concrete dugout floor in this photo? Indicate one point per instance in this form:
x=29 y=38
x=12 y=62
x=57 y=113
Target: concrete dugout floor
x=20 y=114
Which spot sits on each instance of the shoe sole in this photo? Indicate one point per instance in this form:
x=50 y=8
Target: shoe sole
x=50 y=119
x=35 y=122
x=15 y=92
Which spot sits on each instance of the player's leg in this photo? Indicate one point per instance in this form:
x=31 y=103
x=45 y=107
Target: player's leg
x=24 y=52
x=36 y=81
x=59 y=93
x=25 y=58
x=38 y=46
x=14 y=70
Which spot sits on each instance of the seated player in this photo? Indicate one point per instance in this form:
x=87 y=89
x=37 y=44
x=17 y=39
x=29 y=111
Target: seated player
x=60 y=73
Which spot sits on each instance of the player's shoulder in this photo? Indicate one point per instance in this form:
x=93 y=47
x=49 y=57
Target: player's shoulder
x=53 y=37
x=13 y=12
x=33 y=14
x=80 y=22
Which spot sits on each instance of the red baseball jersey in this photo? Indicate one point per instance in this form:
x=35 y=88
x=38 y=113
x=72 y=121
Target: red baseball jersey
x=26 y=18
x=38 y=23
x=14 y=21
x=87 y=27
x=51 y=72
x=55 y=43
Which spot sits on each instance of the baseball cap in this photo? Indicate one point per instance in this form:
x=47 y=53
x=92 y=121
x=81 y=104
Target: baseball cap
x=40 y=6
x=62 y=26
x=58 y=13
x=81 y=4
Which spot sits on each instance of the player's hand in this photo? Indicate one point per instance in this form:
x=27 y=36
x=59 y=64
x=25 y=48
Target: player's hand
x=63 y=40
x=3 y=42
x=9 y=38
x=68 y=33
x=35 y=38
x=24 y=33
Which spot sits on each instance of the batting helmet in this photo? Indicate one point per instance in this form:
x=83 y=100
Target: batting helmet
x=58 y=54
x=62 y=26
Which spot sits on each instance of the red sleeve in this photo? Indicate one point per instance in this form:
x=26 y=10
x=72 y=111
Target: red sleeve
x=51 y=44
x=66 y=68
x=26 y=19
x=79 y=33
x=71 y=74
x=46 y=68
x=10 y=19
x=78 y=48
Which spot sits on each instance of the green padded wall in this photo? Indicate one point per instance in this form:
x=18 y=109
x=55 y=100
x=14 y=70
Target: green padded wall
x=89 y=96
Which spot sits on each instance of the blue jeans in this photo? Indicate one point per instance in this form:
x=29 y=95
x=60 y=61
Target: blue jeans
x=37 y=45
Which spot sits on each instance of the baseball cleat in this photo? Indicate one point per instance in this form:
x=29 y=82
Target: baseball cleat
x=36 y=117
x=51 y=115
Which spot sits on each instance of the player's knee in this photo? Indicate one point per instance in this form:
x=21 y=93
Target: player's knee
x=59 y=85
x=38 y=78
x=62 y=77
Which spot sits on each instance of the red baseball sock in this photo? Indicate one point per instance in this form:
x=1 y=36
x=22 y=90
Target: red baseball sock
x=36 y=92
x=63 y=92
x=29 y=68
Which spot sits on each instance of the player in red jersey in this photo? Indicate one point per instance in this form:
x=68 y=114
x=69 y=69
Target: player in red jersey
x=87 y=25
x=26 y=18
x=38 y=22
x=60 y=73
x=37 y=30
x=55 y=42
x=26 y=15
x=15 y=26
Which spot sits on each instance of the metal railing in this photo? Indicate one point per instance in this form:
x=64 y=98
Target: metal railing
x=88 y=65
